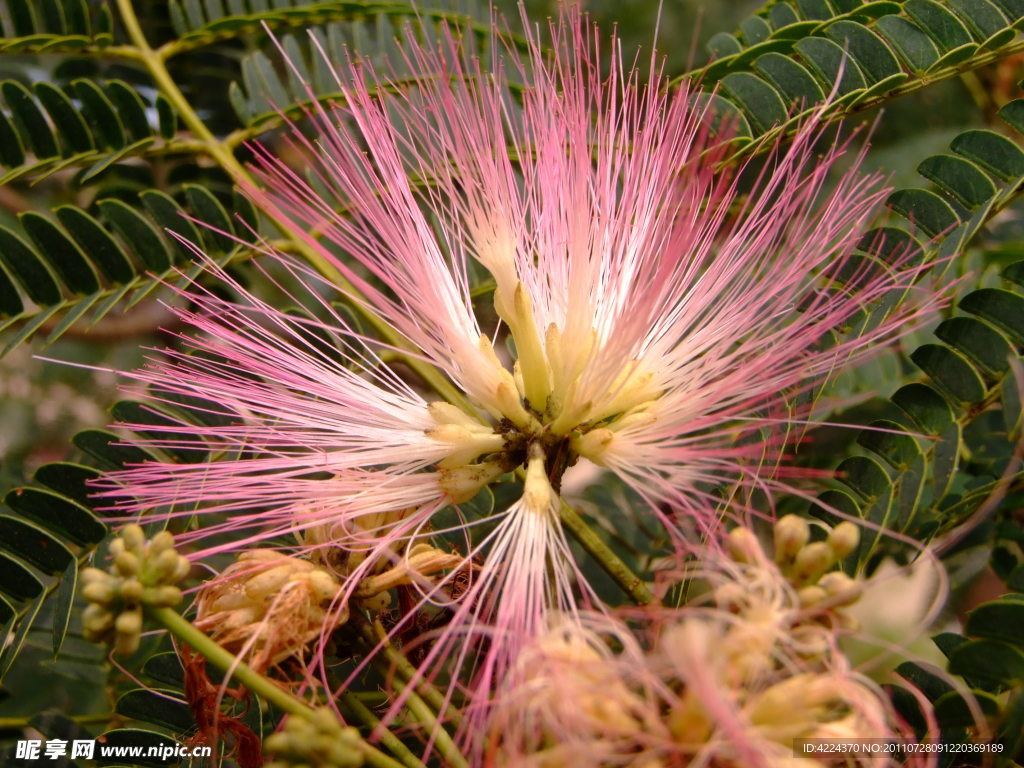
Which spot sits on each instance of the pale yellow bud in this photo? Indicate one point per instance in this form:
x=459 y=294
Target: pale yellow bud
x=129 y=629
x=160 y=543
x=841 y=588
x=811 y=596
x=97 y=620
x=812 y=561
x=163 y=565
x=129 y=622
x=92 y=575
x=791 y=535
x=844 y=539
x=743 y=546
x=181 y=570
x=131 y=590
x=99 y=592
x=164 y=596
x=127 y=563
x=134 y=538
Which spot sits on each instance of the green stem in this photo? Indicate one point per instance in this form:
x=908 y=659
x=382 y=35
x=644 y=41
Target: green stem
x=612 y=564
x=358 y=709
x=596 y=547
x=376 y=636
x=838 y=112
x=449 y=751
x=154 y=61
x=174 y=623
x=386 y=656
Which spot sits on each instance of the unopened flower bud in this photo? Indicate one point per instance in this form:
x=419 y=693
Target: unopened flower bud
x=811 y=596
x=812 y=561
x=181 y=570
x=99 y=592
x=743 y=546
x=321 y=741
x=277 y=742
x=142 y=573
x=96 y=621
x=791 y=535
x=841 y=587
x=129 y=622
x=131 y=591
x=129 y=630
x=162 y=542
x=127 y=563
x=134 y=538
x=164 y=596
x=126 y=645
x=844 y=539
x=92 y=575
x=164 y=565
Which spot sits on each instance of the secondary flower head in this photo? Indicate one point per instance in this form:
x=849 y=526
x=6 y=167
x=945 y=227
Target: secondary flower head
x=747 y=669
x=660 y=324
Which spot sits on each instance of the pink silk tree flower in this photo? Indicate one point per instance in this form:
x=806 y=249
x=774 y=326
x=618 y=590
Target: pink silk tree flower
x=664 y=317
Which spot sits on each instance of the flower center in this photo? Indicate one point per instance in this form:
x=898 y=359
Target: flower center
x=563 y=399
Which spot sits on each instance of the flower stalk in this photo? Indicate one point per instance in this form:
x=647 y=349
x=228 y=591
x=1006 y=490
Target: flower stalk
x=182 y=630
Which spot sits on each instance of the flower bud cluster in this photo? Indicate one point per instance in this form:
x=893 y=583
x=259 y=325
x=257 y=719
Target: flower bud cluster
x=756 y=659
x=317 y=742
x=810 y=567
x=269 y=605
x=141 y=573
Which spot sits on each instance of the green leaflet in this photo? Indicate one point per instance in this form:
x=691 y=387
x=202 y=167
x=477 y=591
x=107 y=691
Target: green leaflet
x=80 y=259
x=858 y=51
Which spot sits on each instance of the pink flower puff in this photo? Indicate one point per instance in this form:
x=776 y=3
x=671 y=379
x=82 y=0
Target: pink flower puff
x=664 y=319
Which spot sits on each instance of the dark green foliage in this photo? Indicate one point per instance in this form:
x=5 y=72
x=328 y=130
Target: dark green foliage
x=881 y=48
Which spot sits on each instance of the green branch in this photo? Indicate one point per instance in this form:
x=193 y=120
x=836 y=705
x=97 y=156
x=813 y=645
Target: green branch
x=354 y=705
x=250 y=678
x=387 y=658
x=842 y=110
x=612 y=564
x=377 y=637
